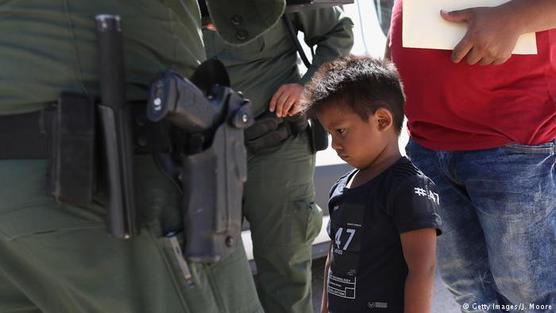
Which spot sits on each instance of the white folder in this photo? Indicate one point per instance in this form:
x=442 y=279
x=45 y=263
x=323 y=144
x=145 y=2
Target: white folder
x=423 y=27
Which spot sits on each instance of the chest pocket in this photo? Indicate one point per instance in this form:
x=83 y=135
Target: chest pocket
x=273 y=43
x=215 y=46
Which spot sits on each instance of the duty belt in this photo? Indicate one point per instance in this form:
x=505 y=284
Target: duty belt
x=30 y=135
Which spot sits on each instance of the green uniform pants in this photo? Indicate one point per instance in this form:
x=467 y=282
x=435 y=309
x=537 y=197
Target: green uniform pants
x=279 y=205
x=58 y=258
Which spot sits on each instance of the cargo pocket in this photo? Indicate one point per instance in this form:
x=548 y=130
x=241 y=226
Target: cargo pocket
x=314 y=224
x=303 y=221
x=232 y=283
x=223 y=286
x=189 y=278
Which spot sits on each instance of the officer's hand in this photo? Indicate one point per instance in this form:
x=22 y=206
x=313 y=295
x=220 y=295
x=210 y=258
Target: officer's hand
x=285 y=100
x=492 y=33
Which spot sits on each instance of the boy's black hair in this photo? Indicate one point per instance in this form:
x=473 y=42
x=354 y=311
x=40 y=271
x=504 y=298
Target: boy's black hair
x=364 y=83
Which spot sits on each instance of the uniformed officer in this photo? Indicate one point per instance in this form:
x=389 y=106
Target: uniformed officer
x=55 y=256
x=279 y=193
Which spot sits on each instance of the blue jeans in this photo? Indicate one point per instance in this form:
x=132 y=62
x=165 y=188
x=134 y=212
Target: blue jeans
x=498 y=207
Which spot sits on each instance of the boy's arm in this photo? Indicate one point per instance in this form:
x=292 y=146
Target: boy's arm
x=493 y=31
x=419 y=250
x=324 y=301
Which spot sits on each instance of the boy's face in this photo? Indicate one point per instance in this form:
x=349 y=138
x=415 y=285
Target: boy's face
x=358 y=142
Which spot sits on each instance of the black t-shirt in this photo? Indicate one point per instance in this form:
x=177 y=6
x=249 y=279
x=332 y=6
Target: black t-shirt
x=368 y=270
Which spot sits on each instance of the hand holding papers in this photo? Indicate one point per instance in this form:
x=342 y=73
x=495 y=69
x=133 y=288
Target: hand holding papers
x=424 y=27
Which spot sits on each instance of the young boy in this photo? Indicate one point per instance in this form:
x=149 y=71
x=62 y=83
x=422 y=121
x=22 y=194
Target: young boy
x=383 y=214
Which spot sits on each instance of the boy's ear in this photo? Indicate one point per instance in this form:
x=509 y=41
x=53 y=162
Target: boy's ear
x=384 y=119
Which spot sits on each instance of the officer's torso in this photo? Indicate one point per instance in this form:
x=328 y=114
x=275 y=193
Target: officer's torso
x=260 y=67
x=50 y=46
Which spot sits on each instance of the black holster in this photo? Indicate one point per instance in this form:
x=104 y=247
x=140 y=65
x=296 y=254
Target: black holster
x=213 y=191
x=205 y=156
x=319 y=136
x=270 y=131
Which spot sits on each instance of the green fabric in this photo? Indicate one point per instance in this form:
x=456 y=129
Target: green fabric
x=330 y=30
x=49 y=46
x=58 y=258
x=284 y=221
x=259 y=68
x=13 y=300
x=279 y=193
x=240 y=21
x=62 y=260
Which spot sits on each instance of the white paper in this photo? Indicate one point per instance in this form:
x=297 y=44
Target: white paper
x=423 y=27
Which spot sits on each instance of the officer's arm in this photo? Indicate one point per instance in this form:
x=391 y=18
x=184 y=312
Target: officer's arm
x=419 y=249
x=331 y=31
x=327 y=28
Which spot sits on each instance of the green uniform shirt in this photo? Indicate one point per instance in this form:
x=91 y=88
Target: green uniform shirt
x=50 y=46
x=259 y=68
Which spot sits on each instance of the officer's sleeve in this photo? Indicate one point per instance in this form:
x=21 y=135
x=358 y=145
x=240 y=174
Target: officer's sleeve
x=327 y=28
x=414 y=205
x=241 y=21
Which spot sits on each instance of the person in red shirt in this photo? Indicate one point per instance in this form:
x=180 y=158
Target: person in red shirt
x=483 y=127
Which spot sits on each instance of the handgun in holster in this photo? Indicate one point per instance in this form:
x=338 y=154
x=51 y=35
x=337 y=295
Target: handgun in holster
x=212 y=156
